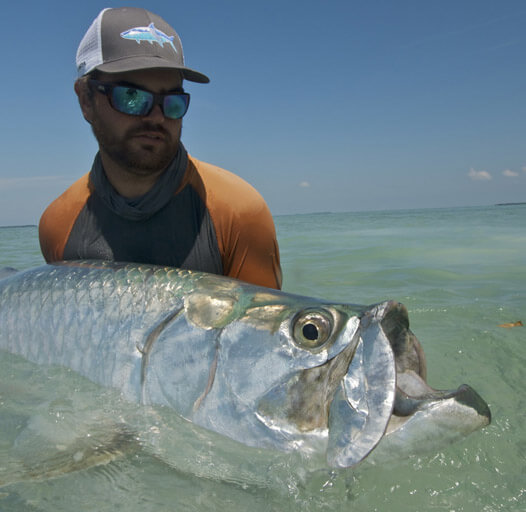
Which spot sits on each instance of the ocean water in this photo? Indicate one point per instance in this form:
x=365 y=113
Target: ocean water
x=461 y=273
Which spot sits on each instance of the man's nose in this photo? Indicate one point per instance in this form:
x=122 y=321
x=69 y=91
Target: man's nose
x=156 y=114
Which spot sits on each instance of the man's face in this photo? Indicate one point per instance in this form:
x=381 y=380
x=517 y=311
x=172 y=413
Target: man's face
x=141 y=145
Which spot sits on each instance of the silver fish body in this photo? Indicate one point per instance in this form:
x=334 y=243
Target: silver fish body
x=265 y=368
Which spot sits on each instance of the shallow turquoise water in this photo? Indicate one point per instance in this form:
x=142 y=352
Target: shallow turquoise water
x=461 y=272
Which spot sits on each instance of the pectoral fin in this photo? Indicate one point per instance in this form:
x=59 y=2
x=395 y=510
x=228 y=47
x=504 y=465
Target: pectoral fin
x=42 y=450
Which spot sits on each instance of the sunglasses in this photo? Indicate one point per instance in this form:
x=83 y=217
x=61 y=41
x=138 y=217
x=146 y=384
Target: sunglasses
x=138 y=102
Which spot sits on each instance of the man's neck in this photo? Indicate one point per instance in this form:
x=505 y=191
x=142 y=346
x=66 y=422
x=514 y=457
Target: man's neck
x=128 y=183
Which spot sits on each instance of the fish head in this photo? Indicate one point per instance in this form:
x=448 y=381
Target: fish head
x=278 y=371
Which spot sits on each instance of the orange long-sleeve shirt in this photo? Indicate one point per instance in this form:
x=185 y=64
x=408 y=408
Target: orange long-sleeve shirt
x=215 y=222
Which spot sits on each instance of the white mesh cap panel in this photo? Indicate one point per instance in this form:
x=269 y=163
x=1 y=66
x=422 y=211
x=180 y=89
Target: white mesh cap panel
x=89 y=52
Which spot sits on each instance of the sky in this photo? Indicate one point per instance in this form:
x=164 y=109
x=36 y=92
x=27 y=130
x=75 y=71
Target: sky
x=322 y=105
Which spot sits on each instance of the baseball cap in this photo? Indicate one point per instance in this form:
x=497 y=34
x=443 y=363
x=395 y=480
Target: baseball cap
x=129 y=39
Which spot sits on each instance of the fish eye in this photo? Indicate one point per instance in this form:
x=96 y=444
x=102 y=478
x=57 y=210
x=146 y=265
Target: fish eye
x=312 y=328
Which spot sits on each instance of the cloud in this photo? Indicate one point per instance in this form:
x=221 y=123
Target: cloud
x=479 y=175
x=304 y=184
x=510 y=174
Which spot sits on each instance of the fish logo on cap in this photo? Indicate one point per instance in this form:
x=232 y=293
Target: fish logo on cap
x=150 y=34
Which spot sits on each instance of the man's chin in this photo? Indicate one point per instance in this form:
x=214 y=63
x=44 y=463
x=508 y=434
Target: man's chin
x=146 y=159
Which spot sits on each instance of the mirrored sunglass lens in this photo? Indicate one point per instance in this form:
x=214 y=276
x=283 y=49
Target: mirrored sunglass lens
x=175 y=105
x=132 y=101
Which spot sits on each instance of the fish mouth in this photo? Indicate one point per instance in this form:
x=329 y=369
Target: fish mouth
x=399 y=406
x=413 y=393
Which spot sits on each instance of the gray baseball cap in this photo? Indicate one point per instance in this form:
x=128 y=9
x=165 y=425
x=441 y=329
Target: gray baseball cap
x=129 y=39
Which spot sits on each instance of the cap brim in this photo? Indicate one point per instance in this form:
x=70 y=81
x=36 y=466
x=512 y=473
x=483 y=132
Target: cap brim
x=138 y=63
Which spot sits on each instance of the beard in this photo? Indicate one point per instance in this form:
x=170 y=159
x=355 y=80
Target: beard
x=138 y=158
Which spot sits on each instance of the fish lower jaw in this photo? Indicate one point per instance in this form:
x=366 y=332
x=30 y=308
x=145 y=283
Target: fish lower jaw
x=454 y=413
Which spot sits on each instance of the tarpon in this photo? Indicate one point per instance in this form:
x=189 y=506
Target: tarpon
x=150 y=34
x=267 y=369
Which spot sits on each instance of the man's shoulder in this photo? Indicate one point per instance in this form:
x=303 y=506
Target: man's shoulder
x=218 y=174
x=222 y=185
x=59 y=217
x=69 y=204
x=76 y=193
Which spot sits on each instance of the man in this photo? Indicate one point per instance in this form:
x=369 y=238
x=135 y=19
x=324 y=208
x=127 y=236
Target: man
x=146 y=200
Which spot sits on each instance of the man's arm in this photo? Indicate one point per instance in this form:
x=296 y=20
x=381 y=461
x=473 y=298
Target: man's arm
x=244 y=227
x=59 y=217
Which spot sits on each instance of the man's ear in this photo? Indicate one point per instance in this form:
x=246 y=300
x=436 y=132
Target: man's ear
x=85 y=99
